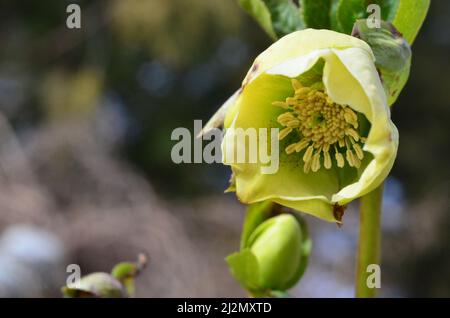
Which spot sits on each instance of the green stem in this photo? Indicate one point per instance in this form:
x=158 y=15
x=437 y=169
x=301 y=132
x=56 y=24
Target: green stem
x=369 y=240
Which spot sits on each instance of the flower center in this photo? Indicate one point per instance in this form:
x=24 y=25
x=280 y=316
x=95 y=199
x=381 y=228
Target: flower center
x=324 y=127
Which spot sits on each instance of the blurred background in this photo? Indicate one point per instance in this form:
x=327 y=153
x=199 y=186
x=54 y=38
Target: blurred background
x=85 y=171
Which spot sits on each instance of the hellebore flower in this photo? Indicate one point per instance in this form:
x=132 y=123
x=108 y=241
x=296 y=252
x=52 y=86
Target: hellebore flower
x=274 y=257
x=337 y=142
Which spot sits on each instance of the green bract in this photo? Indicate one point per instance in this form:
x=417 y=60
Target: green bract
x=337 y=141
x=273 y=257
x=392 y=55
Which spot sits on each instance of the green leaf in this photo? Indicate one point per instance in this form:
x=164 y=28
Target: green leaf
x=316 y=14
x=126 y=273
x=406 y=15
x=276 y=17
x=410 y=16
x=259 y=11
x=388 y=8
x=348 y=11
x=285 y=16
x=245 y=269
x=334 y=23
x=257 y=213
x=281 y=17
x=124 y=270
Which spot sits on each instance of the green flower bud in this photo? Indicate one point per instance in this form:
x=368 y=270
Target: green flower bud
x=95 y=285
x=277 y=245
x=274 y=256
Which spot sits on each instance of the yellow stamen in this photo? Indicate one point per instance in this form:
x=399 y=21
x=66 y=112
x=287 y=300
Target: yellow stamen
x=285 y=117
x=352 y=133
x=323 y=126
x=302 y=92
x=280 y=104
x=307 y=166
x=351 y=117
x=293 y=123
x=358 y=150
x=296 y=84
x=315 y=165
x=350 y=158
x=308 y=154
x=301 y=145
x=291 y=148
x=326 y=160
x=356 y=161
x=283 y=133
x=340 y=160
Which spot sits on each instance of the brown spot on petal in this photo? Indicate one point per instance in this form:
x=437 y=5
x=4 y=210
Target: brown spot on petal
x=251 y=74
x=338 y=212
x=255 y=67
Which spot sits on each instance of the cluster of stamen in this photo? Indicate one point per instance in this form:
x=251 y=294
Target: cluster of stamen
x=323 y=126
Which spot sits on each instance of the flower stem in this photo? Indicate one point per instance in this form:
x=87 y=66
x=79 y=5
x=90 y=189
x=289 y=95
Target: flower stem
x=369 y=241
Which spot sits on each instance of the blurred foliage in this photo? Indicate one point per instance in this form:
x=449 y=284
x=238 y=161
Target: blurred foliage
x=167 y=28
x=79 y=92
